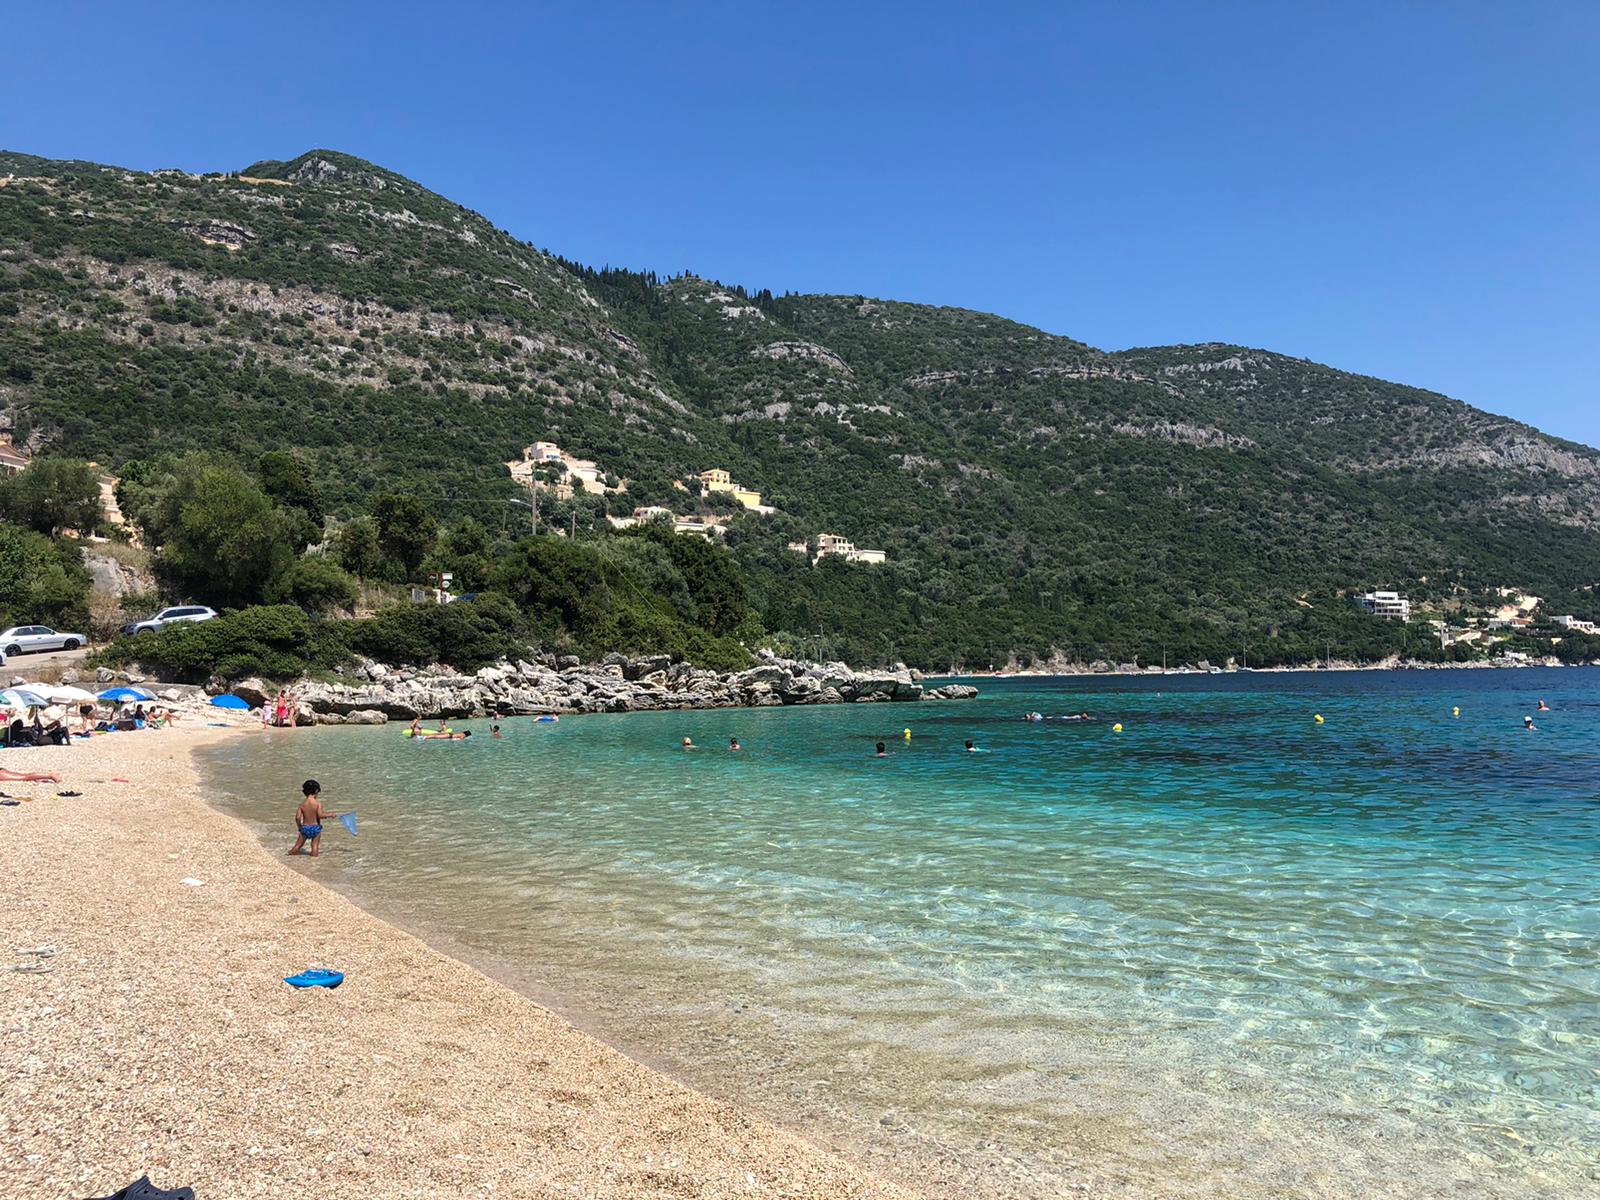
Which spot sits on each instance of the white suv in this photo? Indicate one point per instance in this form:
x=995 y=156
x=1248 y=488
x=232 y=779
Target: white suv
x=181 y=615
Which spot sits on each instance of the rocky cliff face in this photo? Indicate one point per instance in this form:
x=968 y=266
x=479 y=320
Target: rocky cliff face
x=375 y=694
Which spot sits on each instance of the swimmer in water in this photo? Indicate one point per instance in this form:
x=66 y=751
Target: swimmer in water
x=733 y=744
x=1543 y=707
x=883 y=751
x=494 y=731
x=1527 y=723
x=688 y=744
x=972 y=747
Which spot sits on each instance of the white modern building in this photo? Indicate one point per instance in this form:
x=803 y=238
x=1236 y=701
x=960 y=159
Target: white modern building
x=1577 y=626
x=1390 y=605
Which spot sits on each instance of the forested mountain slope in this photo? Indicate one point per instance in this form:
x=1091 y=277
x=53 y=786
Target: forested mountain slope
x=1032 y=492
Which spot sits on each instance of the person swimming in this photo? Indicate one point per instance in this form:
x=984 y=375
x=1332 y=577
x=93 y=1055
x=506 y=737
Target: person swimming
x=494 y=731
x=883 y=751
x=733 y=744
x=972 y=747
x=1033 y=716
x=1527 y=723
x=688 y=744
x=1543 y=707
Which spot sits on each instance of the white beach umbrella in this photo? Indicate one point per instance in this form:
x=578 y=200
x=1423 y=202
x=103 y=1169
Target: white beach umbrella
x=63 y=693
x=21 y=697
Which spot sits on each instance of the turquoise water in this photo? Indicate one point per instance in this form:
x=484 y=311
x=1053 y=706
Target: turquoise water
x=1226 y=952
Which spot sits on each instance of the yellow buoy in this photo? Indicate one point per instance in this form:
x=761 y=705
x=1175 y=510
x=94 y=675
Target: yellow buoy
x=1117 y=728
x=1456 y=711
x=908 y=735
x=1319 y=718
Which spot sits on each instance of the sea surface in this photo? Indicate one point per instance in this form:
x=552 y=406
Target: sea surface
x=1225 y=952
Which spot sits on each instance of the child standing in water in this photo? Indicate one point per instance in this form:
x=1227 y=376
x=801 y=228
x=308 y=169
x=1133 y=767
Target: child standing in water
x=308 y=818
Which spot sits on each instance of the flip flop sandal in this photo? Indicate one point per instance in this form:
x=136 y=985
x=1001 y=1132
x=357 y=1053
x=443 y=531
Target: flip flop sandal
x=40 y=951
x=68 y=794
x=11 y=803
x=32 y=968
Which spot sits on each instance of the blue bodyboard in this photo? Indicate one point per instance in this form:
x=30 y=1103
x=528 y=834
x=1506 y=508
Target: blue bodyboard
x=315 y=977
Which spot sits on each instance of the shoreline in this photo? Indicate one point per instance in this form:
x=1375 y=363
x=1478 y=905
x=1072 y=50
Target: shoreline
x=163 y=1039
x=1342 y=668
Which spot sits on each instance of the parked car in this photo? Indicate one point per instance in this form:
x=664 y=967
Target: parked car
x=181 y=614
x=35 y=639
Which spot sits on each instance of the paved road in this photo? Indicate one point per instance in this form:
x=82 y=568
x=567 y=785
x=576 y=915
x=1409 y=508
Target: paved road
x=32 y=664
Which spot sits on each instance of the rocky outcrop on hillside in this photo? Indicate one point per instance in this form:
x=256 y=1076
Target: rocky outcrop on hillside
x=374 y=694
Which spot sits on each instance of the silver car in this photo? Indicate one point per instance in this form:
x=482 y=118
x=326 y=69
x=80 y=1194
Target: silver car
x=177 y=615
x=35 y=639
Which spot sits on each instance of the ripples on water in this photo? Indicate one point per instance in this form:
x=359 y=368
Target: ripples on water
x=1227 y=952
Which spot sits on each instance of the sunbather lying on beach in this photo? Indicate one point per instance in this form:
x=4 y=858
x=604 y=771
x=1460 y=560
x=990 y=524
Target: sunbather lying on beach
x=27 y=776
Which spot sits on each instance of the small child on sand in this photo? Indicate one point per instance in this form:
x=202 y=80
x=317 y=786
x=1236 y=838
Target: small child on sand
x=308 y=818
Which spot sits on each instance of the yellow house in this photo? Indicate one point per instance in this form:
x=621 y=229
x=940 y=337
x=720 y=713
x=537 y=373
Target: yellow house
x=718 y=480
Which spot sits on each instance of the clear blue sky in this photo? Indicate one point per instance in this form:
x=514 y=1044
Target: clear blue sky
x=1409 y=190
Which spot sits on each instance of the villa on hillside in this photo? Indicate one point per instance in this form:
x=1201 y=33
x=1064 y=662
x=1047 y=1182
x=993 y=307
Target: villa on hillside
x=654 y=512
x=580 y=472
x=832 y=545
x=12 y=460
x=718 y=480
x=1389 y=605
x=1576 y=626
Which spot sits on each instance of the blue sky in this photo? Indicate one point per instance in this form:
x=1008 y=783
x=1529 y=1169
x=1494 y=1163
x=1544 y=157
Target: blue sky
x=1408 y=190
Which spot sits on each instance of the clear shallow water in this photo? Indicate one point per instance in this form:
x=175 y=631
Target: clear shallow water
x=1227 y=952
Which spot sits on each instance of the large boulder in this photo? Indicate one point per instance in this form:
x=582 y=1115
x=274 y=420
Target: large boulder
x=952 y=691
x=763 y=676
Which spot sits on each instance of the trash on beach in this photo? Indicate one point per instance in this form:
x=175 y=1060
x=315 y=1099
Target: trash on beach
x=315 y=977
x=191 y=881
x=142 y=1189
x=45 y=951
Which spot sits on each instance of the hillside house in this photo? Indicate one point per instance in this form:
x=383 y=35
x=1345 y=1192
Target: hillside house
x=1574 y=625
x=12 y=460
x=698 y=528
x=833 y=544
x=580 y=472
x=1391 y=606
x=718 y=480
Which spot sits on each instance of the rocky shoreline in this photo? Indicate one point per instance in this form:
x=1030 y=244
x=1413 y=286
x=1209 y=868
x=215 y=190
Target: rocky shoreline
x=372 y=694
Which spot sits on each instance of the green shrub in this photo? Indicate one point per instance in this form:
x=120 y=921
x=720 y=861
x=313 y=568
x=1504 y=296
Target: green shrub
x=276 y=641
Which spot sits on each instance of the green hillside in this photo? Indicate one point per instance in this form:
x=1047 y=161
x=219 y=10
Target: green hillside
x=1032 y=493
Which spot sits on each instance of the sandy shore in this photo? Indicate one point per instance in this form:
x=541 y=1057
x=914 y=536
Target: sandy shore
x=163 y=1039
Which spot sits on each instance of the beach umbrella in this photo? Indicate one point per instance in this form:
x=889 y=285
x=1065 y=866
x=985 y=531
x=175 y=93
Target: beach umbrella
x=229 y=700
x=122 y=694
x=63 y=693
x=21 y=697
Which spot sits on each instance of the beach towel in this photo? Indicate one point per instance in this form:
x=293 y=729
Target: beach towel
x=143 y=1189
x=348 y=820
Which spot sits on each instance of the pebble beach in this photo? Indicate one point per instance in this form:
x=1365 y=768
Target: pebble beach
x=159 y=1038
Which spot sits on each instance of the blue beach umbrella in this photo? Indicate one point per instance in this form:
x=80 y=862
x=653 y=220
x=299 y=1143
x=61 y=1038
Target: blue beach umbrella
x=229 y=700
x=123 y=694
